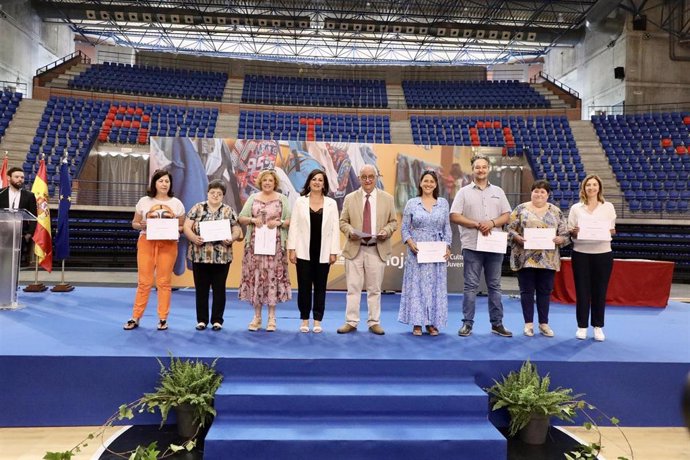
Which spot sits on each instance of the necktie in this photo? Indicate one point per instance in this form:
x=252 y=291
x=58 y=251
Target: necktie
x=366 y=221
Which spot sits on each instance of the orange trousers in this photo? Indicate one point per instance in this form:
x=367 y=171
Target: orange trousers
x=159 y=257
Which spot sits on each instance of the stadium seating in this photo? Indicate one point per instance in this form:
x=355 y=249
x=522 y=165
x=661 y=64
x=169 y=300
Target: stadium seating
x=314 y=126
x=9 y=102
x=69 y=127
x=111 y=77
x=316 y=92
x=470 y=95
x=648 y=155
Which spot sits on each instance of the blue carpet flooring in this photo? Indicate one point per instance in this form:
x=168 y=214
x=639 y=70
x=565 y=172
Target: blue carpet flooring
x=65 y=360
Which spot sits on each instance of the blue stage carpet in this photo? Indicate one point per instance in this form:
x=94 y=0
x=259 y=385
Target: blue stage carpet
x=65 y=359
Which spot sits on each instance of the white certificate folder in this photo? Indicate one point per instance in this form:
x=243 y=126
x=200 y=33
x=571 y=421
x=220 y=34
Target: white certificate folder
x=494 y=242
x=162 y=229
x=431 y=252
x=215 y=230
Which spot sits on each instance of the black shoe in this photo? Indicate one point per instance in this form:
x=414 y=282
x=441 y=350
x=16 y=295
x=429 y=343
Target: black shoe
x=465 y=330
x=500 y=330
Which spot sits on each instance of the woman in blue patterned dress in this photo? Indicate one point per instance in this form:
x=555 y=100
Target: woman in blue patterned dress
x=536 y=268
x=424 y=300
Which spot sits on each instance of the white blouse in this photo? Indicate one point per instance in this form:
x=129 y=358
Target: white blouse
x=603 y=211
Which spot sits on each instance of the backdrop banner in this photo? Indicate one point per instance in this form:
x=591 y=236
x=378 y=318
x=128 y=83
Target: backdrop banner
x=239 y=161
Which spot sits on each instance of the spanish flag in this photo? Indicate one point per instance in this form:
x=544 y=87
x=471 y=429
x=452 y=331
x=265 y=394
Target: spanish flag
x=44 y=244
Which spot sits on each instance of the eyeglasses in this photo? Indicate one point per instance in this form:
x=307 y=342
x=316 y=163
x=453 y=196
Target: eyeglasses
x=369 y=177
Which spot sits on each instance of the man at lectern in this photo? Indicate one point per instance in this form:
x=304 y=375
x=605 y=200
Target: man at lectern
x=16 y=197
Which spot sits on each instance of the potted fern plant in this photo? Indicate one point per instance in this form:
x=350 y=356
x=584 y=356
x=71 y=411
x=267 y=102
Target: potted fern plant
x=531 y=402
x=188 y=387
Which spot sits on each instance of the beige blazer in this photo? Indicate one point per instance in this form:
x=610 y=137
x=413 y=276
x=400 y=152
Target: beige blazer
x=300 y=229
x=351 y=219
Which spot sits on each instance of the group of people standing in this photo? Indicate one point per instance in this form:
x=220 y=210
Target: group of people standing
x=308 y=236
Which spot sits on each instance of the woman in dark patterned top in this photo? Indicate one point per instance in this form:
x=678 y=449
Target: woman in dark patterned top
x=210 y=259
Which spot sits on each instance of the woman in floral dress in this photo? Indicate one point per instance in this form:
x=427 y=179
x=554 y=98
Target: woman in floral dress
x=265 y=279
x=424 y=299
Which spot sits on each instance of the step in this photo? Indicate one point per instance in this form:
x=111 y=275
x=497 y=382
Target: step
x=373 y=437
x=351 y=396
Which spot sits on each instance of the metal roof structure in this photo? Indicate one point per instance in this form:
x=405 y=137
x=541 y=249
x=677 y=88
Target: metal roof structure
x=326 y=31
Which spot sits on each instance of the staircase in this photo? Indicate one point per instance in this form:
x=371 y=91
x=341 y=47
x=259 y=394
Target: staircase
x=20 y=134
x=595 y=161
x=342 y=415
x=233 y=90
x=62 y=80
x=556 y=102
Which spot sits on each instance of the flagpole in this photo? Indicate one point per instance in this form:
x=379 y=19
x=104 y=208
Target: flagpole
x=42 y=205
x=36 y=286
x=62 y=235
x=62 y=286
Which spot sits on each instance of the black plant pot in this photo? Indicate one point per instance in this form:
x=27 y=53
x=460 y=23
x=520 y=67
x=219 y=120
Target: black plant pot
x=186 y=427
x=536 y=430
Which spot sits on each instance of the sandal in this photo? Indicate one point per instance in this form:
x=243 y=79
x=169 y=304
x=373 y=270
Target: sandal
x=271 y=326
x=432 y=330
x=317 y=328
x=162 y=325
x=304 y=328
x=255 y=325
x=417 y=330
x=201 y=326
x=131 y=324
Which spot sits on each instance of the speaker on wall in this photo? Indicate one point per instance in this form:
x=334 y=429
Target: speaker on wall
x=640 y=22
x=619 y=73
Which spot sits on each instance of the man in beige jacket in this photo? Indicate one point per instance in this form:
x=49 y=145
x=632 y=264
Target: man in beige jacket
x=368 y=220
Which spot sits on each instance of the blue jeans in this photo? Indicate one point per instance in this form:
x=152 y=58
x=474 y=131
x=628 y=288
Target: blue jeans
x=473 y=263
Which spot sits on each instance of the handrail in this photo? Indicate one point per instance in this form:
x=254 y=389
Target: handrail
x=626 y=109
x=561 y=85
x=84 y=59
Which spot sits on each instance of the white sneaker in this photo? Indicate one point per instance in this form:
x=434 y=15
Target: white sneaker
x=599 y=334
x=581 y=333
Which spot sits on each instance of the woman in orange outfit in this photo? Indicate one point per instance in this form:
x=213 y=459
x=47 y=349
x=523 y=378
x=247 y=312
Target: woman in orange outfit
x=155 y=256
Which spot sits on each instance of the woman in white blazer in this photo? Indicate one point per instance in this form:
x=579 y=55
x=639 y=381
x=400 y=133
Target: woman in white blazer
x=313 y=246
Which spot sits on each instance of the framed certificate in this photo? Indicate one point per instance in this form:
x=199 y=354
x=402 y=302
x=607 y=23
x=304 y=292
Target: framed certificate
x=162 y=229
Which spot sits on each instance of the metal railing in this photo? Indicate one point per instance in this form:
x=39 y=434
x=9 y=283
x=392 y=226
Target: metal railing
x=561 y=85
x=628 y=109
x=109 y=194
x=84 y=59
x=15 y=87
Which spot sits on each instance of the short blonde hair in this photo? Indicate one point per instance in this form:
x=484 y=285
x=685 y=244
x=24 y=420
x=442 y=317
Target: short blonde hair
x=264 y=173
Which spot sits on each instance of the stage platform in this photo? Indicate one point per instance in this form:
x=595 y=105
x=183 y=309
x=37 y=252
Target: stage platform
x=65 y=359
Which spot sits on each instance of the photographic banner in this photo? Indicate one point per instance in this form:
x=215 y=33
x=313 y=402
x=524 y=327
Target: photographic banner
x=195 y=162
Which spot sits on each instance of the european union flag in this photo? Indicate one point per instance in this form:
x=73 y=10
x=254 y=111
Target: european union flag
x=61 y=249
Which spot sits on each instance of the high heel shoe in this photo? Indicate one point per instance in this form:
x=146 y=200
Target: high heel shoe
x=271 y=326
x=255 y=325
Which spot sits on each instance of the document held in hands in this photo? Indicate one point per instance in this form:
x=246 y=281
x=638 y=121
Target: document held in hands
x=265 y=240
x=215 y=230
x=594 y=229
x=162 y=229
x=494 y=242
x=431 y=252
x=540 y=238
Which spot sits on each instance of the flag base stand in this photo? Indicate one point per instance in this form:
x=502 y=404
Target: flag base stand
x=36 y=287
x=62 y=287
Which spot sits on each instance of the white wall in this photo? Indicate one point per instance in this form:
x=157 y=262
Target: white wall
x=26 y=43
